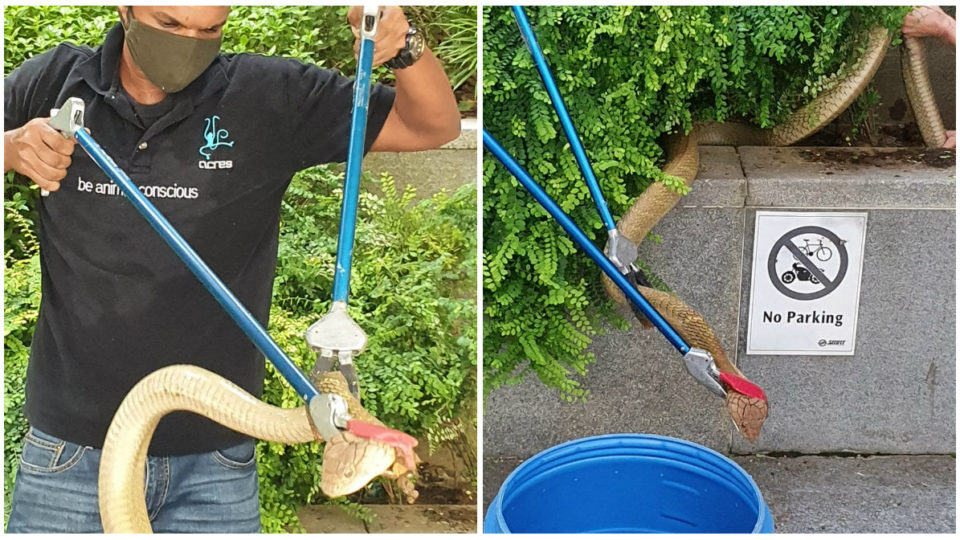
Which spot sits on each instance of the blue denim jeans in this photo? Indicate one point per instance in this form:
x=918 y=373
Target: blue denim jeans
x=56 y=489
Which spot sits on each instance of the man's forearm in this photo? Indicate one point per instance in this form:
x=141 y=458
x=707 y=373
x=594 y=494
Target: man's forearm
x=7 y=151
x=425 y=113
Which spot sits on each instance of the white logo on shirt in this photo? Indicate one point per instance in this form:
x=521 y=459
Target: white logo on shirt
x=228 y=164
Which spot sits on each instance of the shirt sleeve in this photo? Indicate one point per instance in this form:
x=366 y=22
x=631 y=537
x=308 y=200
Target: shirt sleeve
x=20 y=89
x=320 y=102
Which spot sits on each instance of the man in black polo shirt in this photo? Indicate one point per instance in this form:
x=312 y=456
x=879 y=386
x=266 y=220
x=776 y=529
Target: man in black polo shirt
x=213 y=141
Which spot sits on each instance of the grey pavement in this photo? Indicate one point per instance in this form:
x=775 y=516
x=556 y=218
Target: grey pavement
x=820 y=494
x=429 y=171
x=878 y=494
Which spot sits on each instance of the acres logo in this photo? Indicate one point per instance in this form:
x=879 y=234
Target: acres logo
x=215 y=138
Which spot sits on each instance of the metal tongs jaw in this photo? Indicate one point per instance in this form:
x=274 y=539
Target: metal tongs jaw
x=700 y=364
x=622 y=252
x=329 y=415
x=67 y=120
x=330 y=418
x=337 y=338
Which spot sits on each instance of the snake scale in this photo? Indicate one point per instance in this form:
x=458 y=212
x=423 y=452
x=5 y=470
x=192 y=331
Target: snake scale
x=682 y=160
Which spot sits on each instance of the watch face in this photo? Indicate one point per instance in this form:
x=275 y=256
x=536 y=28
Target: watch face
x=415 y=45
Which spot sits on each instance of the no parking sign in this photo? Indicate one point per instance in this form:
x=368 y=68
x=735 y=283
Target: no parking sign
x=805 y=291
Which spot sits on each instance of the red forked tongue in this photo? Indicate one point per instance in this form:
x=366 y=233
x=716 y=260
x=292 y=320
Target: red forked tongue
x=399 y=440
x=742 y=385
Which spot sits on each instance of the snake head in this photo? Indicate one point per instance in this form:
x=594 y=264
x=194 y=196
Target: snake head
x=365 y=450
x=748 y=413
x=350 y=462
x=746 y=403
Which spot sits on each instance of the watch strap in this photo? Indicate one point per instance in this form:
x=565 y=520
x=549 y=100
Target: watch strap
x=405 y=58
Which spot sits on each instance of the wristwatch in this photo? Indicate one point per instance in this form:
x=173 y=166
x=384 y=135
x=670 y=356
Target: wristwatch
x=411 y=52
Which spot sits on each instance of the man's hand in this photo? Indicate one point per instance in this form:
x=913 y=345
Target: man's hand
x=424 y=113
x=951 y=141
x=930 y=21
x=38 y=152
x=391 y=32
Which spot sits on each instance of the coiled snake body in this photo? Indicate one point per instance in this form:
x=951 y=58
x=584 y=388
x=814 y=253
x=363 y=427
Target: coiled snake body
x=683 y=161
x=349 y=463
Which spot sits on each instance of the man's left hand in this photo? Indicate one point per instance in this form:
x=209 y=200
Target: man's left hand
x=391 y=32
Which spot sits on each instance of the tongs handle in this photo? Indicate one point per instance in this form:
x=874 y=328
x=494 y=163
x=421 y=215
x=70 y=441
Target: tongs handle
x=368 y=26
x=579 y=153
x=632 y=294
x=351 y=181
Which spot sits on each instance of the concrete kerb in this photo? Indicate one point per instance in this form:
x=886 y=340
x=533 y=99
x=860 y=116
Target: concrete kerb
x=449 y=167
x=811 y=178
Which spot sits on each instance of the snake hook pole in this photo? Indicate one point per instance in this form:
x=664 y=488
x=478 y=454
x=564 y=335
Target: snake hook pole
x=336 y=337
x=491 y=144
x=699 y=362
x=579 y=153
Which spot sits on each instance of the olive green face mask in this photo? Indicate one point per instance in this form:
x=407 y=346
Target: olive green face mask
x=168 y=60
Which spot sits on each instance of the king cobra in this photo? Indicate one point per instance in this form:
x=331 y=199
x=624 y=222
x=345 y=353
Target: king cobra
x=682 y=160
x=349 y=462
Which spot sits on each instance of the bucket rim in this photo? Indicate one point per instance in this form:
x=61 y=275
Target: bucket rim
x=563 y=448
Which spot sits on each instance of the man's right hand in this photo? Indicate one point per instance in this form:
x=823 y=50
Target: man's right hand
x=930 y=21
x=38 y=152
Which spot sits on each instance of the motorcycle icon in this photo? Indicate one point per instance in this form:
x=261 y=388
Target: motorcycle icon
x=799 y=272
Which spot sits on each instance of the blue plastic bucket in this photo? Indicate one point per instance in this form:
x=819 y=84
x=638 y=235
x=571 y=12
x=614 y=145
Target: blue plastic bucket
x=628 y=483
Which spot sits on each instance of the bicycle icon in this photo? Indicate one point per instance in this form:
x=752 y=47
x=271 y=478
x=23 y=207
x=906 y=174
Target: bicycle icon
x=809 y=246
x=821 y=252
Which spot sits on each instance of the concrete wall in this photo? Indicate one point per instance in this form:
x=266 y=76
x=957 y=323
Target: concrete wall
x=449 y=167
x=896 y=395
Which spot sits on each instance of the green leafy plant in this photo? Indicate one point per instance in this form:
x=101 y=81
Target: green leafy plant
x=862 y=118
x=629 y=75
x=412 y=263
x=21 y=304
x=452 y=32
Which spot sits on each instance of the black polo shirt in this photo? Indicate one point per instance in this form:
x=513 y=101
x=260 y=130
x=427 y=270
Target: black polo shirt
x=215 y=159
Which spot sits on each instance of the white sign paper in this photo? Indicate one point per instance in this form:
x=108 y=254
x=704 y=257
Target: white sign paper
x=805 y=291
